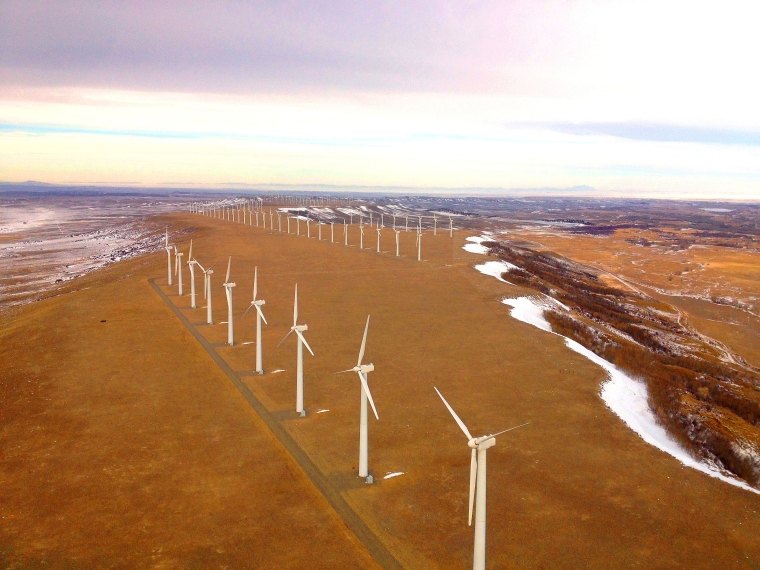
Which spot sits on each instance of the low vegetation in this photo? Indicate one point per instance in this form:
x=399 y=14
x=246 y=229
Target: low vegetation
x=707 y=399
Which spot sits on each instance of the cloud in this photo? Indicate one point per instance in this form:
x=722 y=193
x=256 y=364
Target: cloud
x=254 y=46
x=654 y=132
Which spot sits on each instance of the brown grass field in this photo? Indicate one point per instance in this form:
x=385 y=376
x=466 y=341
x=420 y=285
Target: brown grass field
x=685 y=278
x=122 y=444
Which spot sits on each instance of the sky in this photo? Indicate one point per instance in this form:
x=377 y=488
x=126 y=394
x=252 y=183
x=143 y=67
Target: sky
x=634 y=98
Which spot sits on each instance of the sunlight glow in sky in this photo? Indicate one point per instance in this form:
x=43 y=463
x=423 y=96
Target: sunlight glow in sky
x=635 y=98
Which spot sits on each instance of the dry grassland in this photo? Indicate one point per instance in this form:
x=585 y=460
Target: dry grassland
x=685 y=279
x=123 y=444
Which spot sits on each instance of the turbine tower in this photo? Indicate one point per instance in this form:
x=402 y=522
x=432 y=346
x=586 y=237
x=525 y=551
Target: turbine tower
x=191 y=265
x=378 y=239
x=228 y=291
x=398 y=233
x=419 y=245
x=178 y=269
x=479 y=447
x=257 y=304
x=207 y=273
x=168 y=249
x=363 y=370
x=301 y=341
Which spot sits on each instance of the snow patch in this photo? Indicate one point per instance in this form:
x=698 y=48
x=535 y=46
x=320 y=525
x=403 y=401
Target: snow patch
x=624 y=395
x=495 y=269
x=475 y=248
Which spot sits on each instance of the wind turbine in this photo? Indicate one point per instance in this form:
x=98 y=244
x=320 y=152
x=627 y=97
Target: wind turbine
x=479 y=446
x=419 y=245
x=361 y=235
x=178 y=268
x=168 y=249
x=191 y=265
x=301 y=341
x=378 y=239
x=257 y=304
x=228 y=291
x=207 y=291
x=345 y=234
x=363 y=370
x=451 y=227
x=398 y=233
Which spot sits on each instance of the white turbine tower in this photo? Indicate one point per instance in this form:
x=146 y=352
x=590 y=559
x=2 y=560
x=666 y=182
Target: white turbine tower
x=301 y=341
x=257 y=304
x=191 y=265
x=378 y=239
x=361 y=235
x=479 y=446
x=228 y=291
x=178 y=269
x=168 y=249
x=419 y=245
x=207 y=273
x=398 y=234
x=363 y=370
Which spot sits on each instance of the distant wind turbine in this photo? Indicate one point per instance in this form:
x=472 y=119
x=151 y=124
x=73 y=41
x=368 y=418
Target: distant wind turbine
x=228 y=292
x=301 y=341
x=168 y=249
x=257 y=304
x=178 y=269
x=191 y=265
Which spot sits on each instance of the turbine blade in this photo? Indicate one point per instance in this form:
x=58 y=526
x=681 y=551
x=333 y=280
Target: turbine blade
x=473 y=479
x=190 y=254
x=457 y=419
x=166 y=238
x=286 y=336
x=364 y=343
x=229 y=264
x=261 y=314
x=255 y=281
x=365 y=387
x=344 y=371
x=509 y=429
x=303 y=339
x=248 y=309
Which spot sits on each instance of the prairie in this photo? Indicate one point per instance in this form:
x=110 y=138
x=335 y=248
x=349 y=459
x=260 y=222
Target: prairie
x=124 y=444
